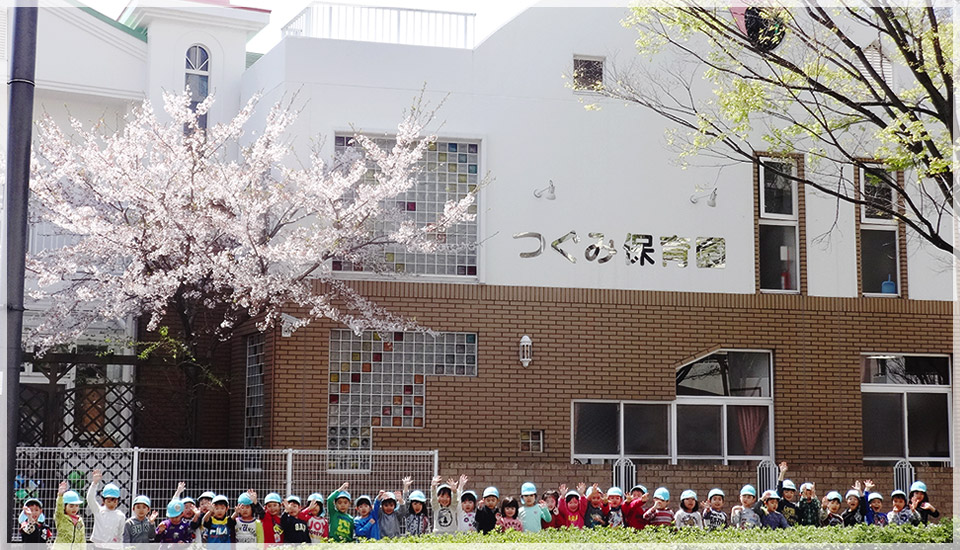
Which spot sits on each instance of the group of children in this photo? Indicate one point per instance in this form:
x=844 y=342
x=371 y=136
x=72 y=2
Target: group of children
x=453 y=509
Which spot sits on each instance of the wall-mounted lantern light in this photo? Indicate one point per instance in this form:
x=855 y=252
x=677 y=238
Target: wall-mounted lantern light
x=526 y=350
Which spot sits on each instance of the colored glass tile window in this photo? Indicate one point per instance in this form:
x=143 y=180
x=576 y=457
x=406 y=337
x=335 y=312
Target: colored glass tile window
x=447 y=169
x=388 y=387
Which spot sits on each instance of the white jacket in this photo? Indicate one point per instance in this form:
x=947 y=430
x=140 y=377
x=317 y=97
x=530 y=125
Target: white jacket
x=107 y=524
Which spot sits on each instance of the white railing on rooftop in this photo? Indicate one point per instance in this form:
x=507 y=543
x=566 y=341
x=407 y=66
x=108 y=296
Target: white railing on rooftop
x=441 y=29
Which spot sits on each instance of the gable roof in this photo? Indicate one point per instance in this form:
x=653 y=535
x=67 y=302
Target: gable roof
x=139 y=34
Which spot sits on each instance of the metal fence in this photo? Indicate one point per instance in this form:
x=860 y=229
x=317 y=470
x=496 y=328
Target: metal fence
x=156 y=472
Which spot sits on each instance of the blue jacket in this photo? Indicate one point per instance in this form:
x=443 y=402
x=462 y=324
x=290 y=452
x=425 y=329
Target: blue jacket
x=364 y=527
x=774 y=520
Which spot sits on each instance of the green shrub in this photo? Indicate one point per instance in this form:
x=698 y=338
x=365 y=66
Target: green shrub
x=935 y=533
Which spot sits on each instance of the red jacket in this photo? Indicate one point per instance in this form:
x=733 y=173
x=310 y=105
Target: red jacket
x=554 y=522
x=272 y=532
x=633 y=514
x=568 y=518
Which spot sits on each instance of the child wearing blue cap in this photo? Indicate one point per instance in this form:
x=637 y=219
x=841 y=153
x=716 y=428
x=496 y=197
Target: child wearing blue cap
x=659 y=514
x=107 y=519
x=249 y=529
x=70 y=530
x=139 y=529
x=918 y=493
x=33 y=528
x=317 y=525
x=688 y=515
x=743 y=516
x=808 y=508
x=787 y=491
x=441 y=500
x=272 y=532
x=713 y=514
x=387 y=515
x=594 y=514
x=364 y=524
x=294 y=526
x=614 y=507
x=341 y=523
x=532 y=514
x=175 y=529
x=415 y=521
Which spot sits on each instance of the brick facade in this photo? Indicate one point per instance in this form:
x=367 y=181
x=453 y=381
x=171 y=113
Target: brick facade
x=613 y=344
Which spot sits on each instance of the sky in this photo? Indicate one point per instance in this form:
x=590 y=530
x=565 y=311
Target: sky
x=491 y=14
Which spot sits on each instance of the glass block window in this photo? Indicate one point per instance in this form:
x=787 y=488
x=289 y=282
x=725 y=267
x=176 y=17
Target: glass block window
x=253 y=410
x=378 y=379
x=531 y=441
x=449 y=170
x=587 y=73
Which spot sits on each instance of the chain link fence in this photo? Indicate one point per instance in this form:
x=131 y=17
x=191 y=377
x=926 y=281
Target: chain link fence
x=156 y=472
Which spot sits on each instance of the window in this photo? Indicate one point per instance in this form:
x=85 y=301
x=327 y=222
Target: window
x=587 y=73
x=449 y=170
x=779 y=226
x=879 y=248
x=531 y=441
x=723 y=413
x=198 y=79
x=906 y=407
x=253 y=410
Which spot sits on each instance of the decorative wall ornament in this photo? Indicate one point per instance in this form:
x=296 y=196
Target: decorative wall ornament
x=638 y=247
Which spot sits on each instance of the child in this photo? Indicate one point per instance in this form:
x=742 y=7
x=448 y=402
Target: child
x=830 y=513
x=713 y=515
x=33 y=528
x=634 y=509
x=204 y=505
x=416 y=522
x=341 y=524
x=294 y=527
x=688 y=515
x=444 y=514
x=364 y=524
x=771 y=517
x=926 y=510
x=467 y=514
x=614 y=508
x=659 y=514
x=531 y=514
x=593 y=515
x=874 y=514
x=386 y=515
x=901 y=514
x=175 y=529
x=570 y=513
x=550 y=500
x=140 y=529
x=272 y=531
x=190 y=511
x=249 y=529
x=508 y=520
x=856 y=507
x=487 y=513
x=317 y=525
x=808 y=509
x=107 y=519
x=217 y=525
x=743 y=516
x=787 y=491
x=67 y=517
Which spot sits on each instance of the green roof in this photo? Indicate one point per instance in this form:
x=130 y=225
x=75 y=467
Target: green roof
x=139 y=34
x=252 y=58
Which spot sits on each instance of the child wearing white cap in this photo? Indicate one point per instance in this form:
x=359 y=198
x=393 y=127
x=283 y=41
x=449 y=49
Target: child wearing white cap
x=444 y=511
x=856 y=506
x=808 y=509
x=830 y=513
x=107 y=519
x=874 y=514
x=688 y=515
x=713 y=514
x=467 y=514
x=787 y=491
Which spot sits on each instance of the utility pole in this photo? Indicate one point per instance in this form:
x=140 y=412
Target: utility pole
x=19 y=135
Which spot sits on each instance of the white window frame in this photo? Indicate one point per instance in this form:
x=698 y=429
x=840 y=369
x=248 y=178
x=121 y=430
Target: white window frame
x=673 y=456
x=905 y=389
x=603 y=72
x=894 y=200
x=795 y=217
x=896 y=242
x=201 y=72
x=796 y=239
x=247 y=419
x=531 y=437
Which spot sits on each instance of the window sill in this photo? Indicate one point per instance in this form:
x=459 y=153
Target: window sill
x=880 y=295
x=778 y=291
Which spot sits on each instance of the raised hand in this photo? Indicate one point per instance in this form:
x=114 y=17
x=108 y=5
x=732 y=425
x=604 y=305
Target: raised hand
x=407 y=482
x=858 y=486
x=705 y=504
x=783 y=466
x=581 y=487
x=181 y=487
x=452 y=483
x=161 y=528
x=253 y=495
x=62 y=488
x=435 y=481
x=154 y=516
x=97 y=476
x=463 y=481
x=563 y=490
x=868 y=484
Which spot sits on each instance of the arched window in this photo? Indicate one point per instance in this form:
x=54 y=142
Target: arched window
x=198 y=78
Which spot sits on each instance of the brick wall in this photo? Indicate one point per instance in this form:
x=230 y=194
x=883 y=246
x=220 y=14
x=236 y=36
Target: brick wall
x=613 y=344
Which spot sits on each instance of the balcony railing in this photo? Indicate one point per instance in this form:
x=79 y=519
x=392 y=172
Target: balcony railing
x=387 y=25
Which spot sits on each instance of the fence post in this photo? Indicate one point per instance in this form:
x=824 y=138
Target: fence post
x=289 y=471
x=136 y=475
x=436 y=462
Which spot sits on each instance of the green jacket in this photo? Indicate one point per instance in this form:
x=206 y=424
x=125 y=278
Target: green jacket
x=70 y=535
x=341 y=525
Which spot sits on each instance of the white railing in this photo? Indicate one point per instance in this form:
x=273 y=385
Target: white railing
x=388 y=25
x=156 y=472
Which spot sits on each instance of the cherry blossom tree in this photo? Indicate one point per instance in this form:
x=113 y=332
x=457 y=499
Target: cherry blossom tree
x=213 y=228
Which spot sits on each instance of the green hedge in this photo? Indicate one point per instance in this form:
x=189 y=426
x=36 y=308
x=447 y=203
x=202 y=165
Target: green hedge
x=934 y=533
